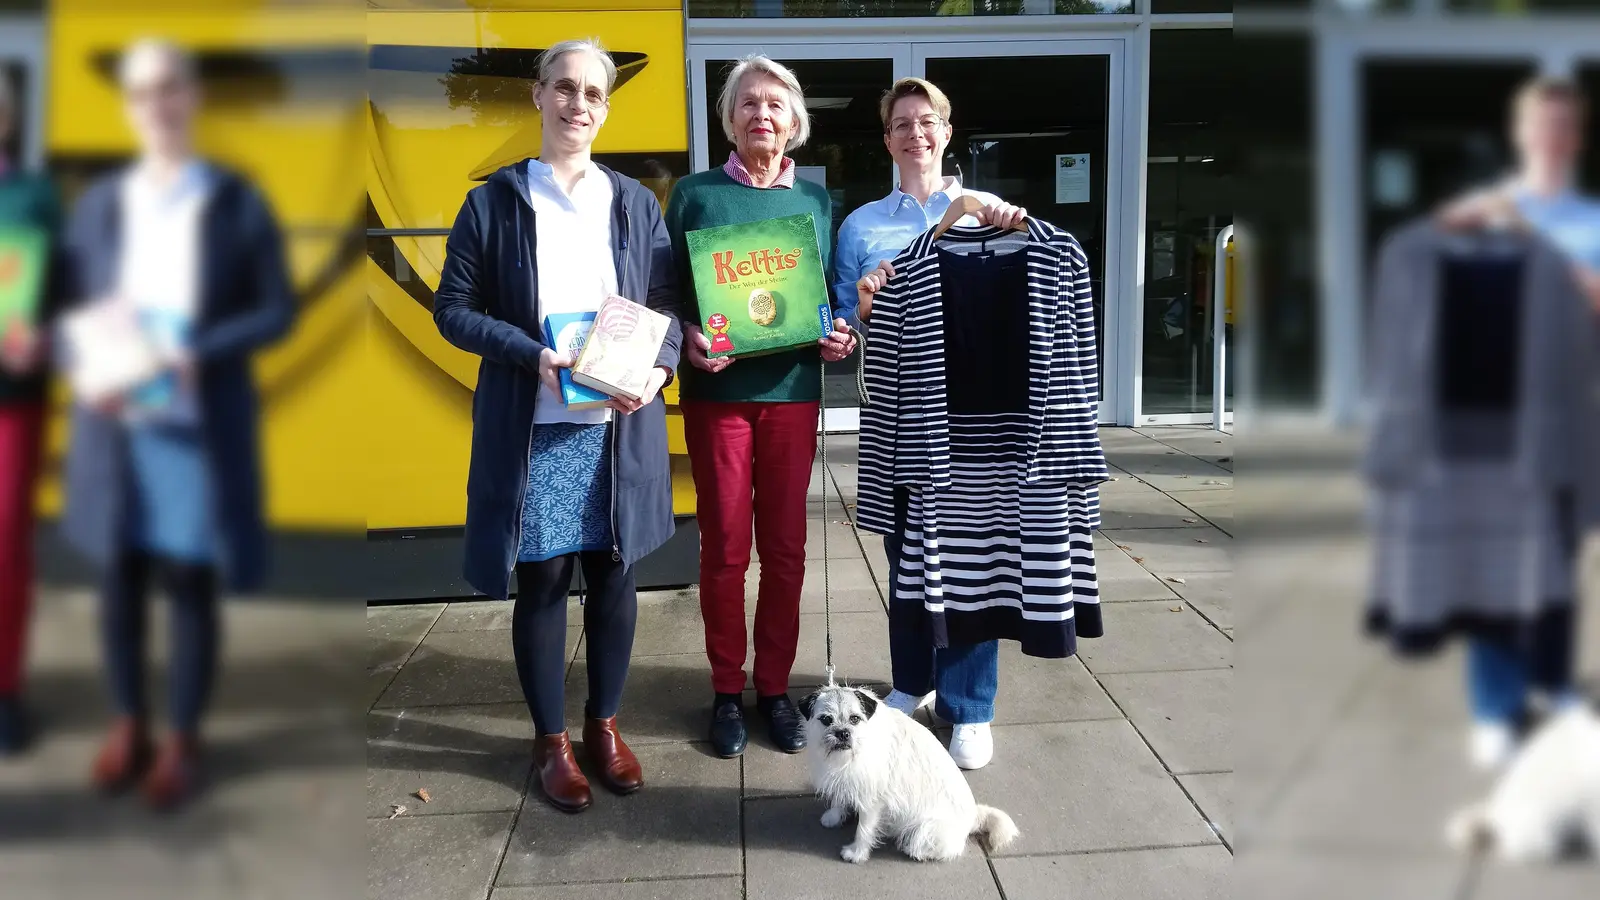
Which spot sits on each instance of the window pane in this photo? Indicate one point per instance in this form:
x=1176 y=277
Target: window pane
x=1189 y=201
x=1191 y=6
x=756 y=9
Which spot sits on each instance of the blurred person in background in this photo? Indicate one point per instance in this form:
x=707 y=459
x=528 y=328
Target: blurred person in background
x=27 y=202
x=1502 y=490
x=551 y=489
x=163 y=484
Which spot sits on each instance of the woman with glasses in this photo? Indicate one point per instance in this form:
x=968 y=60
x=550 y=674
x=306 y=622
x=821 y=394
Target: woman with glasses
x=550 y=489
x=916 y=125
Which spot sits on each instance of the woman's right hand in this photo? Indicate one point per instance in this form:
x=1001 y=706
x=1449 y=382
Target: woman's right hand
x=870 y=284
x=697 y=348
x=549 y=362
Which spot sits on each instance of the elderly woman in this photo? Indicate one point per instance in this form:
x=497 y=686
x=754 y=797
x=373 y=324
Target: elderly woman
x=916 y=129
x=751 y=424
x=551 y=488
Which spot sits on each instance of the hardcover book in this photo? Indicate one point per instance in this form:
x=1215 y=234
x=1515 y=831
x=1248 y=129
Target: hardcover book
x=622 y=348
x=23 y=253
x=760 y=286
x=566 y=333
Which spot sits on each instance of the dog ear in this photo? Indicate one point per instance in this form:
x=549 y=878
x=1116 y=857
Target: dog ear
x=808 y=703
x=869 y=703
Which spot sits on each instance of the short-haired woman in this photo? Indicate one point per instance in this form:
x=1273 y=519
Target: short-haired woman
x=551 y=488
x=751 y=424
x=962 y=678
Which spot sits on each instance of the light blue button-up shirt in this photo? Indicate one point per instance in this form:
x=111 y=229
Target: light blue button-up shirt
x=880 y=230
x=1569 y=220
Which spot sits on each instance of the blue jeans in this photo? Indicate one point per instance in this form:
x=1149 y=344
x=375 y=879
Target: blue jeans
x=966 y=676
x=1501 y=672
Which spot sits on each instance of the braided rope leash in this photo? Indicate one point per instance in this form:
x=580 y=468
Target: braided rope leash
x=827 y=583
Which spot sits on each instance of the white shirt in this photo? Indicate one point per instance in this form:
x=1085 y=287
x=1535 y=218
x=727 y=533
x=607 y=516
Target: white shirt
x=572 y=250
x=159 y=275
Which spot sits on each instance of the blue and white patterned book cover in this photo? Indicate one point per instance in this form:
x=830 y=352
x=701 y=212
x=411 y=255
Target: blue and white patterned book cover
x=566 y=333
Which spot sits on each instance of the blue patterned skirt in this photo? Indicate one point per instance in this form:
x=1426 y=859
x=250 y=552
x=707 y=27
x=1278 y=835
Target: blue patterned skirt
x=567 y=502
x=169 y=493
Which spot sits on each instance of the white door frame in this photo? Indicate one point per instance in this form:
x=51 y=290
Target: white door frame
x=22 y=37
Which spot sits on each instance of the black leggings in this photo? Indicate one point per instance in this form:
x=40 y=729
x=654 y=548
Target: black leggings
x=539 y=634
x=124 y=610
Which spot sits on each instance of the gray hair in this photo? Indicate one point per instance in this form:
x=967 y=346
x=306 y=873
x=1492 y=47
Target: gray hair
x=547 y=59
x=755 y=63
x=160 y=48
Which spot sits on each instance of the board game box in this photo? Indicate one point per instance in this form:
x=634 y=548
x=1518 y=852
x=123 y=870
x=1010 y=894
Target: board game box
x=759 y=286
x=23 y=253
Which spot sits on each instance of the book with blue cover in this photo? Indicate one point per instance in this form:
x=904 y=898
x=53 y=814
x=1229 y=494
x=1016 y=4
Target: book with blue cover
x=567 y=333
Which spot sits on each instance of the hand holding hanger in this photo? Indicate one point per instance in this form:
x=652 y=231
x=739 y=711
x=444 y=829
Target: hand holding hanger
x=870 y=284
x=1000 y=215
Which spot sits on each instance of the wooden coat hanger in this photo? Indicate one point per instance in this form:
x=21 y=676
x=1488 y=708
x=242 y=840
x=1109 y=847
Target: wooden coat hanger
x=964 y=205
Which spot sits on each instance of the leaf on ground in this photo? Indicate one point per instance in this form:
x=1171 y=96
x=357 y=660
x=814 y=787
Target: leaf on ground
x=1191 y=521
x=1224 y=483
x=423 y=795
x=1176 y=580
x=1201 y=541
x=1175 y=608
x=1123 y=547
x=396 y=811
x=1138 y=559
x=1183 y=476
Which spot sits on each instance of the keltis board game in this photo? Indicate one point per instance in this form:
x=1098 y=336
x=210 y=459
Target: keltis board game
x=622 y=348
x=566 y=333
x=760 y=286
x=23 y=253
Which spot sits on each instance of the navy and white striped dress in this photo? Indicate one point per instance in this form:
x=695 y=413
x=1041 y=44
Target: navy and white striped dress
x=982 y=396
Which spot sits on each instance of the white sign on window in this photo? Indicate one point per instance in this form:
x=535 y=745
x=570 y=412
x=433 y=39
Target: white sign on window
x=1072 y=178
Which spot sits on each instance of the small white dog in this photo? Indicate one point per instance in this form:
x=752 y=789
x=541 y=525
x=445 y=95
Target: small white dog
x=872 y=760
x=1548 y=797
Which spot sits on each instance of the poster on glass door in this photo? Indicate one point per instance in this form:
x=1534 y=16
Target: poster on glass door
x=1072 y=178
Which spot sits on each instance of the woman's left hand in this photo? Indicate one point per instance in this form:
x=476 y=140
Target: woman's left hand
x=1002 y=215
x=658 y=377
x=840 y=344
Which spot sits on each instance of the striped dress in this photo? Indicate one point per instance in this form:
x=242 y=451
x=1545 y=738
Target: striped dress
x=981 y=394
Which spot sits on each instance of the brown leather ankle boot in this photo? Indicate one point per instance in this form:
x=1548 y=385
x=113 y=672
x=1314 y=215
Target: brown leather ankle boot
x=619 y=768
x=124 y=756
x=559 y=775
x=175 y=774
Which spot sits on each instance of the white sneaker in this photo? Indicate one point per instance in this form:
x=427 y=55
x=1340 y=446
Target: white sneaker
x=907 y=703
x=972 y=746
x=1492 y=745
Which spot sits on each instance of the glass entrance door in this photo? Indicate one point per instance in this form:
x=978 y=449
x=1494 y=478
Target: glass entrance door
x=1049 y=141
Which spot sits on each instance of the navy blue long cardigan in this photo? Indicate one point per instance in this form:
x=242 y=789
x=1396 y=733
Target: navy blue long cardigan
x=488 y=304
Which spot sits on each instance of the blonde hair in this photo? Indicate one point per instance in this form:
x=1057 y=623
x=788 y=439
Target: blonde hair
x=762 y=65
x=913 y=87
x=591 y=46
x=160 y=48
x=1547 y=89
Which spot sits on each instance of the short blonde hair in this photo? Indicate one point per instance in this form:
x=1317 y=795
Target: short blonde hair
x=762 y=65
x=591 y=46
x=913 y=87
x=163 y=49
x=1547 y=89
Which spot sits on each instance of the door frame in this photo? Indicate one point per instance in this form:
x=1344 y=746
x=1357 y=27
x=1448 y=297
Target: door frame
x=22 y=37
x=864 y=39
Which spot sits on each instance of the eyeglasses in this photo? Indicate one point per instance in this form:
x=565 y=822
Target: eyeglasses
x=902 y=128
x=566 y=90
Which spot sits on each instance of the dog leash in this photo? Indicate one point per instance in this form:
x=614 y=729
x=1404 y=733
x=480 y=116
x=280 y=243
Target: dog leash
x=827 y=583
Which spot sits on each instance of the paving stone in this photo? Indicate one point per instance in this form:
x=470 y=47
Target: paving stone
x=1036 y=690
x=667 y=700
x=769 y=772
x=1079 y=786
x=468 y=758
x=1169 y=470
x=1571 y=881
x=724 y=888
x=461 y=667
x=1121 y=579
x=683 y=823
x=1186 y=716
x=842 y=542
x=860 y=649
x=1178 y=873
x=435 y=857
x=669 y=624
x=1172 y=552
x=482 y=615
x=1211 y=594
x=1214 y=506
x=394 y=631
x=1214 y=794
x=792 y=857
x=855 y=589
x=1150 y=637
x=1144 y=509
x=1327 y=875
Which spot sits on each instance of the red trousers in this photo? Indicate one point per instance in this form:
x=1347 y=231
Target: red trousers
x=752 y=464
x=20 y=425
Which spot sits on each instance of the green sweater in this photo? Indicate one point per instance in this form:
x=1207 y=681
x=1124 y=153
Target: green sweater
x=30 y=200
x=711 y=198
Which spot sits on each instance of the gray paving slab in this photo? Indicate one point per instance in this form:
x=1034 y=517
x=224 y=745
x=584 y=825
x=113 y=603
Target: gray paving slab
x=485 y=615
x=1121 y=579
x=1160 y=636
x=1186 y=716
x=468 y=758
x=877 y=559
x=855 y=589
x=723 y=888
x=860 y=648
x=1177 y=873
x=1213 y=793
x=1036 y=690
x=769 y=772
x=667 y=700
x=683 y=823
x=1569 y=881
x=1144 y=509
x=792 y=857
x=455 y=668
x=1173 y=552
x=842 y=542
x=435 y=857
x=1213 y=506
x=1080 y=786
x=669 y=624
x=393 y=632
x=1327 y=875
x=1211 y=594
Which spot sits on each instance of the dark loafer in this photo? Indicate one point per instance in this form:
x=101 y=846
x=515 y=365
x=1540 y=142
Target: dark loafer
x=787 y=728
x=728 y=735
